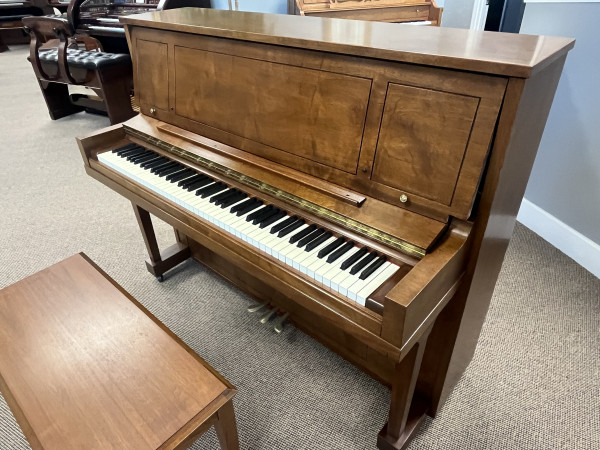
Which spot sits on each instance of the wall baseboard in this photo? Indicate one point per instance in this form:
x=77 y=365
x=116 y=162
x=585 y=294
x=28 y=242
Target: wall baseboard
x=569 y=241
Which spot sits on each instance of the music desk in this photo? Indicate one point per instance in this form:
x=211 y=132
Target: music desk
x=84 y=365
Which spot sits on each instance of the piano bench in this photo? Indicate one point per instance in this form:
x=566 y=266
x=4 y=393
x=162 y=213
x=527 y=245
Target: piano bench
x=84 y=365
x=109 y=75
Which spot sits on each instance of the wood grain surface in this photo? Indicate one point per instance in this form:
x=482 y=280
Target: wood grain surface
x=84 y=367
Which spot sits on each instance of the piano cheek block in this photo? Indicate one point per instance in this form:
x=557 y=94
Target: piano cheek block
x=317 y=151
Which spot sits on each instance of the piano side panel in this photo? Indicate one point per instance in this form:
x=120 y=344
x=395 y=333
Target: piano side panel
x=314 y=114
x=152 y=71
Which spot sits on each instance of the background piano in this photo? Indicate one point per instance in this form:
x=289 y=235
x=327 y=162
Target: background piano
x=100 y=18
x=418 y=12
x=11 y=13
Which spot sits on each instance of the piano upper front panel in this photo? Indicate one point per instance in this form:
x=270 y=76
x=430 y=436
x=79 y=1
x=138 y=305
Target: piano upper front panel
x=316 y=115
x=331 y=116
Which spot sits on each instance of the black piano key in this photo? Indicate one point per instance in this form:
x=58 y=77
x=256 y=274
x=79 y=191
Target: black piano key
x=257 y=204
x=216 y=198
x=287 y=230
x=152 y=164
x=305 y=232
x=233 y=199
x=355 y=257
x=146 y=159
x=184 y=183
x=184 y=174
x=259 y=220
x=331 y=247
x=248 y=202
x=135 y=149
x=167 y=163
x=133 y=154
x=372 y=268
x=211 y=189
x=166 y=171
x=363 y=263
x=280 y=215
x=259 y=213
x=143 y=157
x=124 y=148
x=233 y=194
x=282 y=225
x=318 y=241
x=199 y=184
x=311 y=237
x=340 y=251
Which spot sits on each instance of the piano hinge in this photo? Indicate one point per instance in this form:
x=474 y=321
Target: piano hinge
x=318 y=210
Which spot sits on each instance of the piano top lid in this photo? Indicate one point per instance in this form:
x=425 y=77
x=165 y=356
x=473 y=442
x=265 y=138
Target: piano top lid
x=478 y=51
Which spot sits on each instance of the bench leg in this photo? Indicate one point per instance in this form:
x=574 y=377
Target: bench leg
x=158 y=263
x=116 y=84
x=226 y=427
x=57 y=99
x=3 y=46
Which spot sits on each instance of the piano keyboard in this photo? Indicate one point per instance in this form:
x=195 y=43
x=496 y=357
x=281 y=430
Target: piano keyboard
x=355 y=272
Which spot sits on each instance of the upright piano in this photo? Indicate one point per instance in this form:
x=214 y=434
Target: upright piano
x=417 y=12
x=361 y=177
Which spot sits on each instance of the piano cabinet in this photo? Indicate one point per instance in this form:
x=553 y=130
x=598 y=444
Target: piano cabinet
x=415 y=144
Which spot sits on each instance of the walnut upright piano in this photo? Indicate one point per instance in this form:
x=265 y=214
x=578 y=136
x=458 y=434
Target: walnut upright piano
x=363 y=177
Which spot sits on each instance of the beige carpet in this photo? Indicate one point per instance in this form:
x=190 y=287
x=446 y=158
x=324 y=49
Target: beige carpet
x=533 y=384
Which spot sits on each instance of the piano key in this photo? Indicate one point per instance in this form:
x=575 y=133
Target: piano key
x=224 y=194
x=331 y=247
x=188 y=181
x=375 y=283
x=335 y=265
x=250 y=201
x=211 y=189
x=284 y=224
x=143 y=158
x=257 y=213
x=340 y=251
x=305 y=263
x=310 y=237
x=154 y=163
x=134 y=153
x=184 y=174
x=259 y=220
x=120 y=150
x=274 y=218
x=166 y=171
x=134 y=149
x=255 y=204
x=372 y=268
x=363 y=263
x=158 y=167
x=199 y=184
x=318 y=241
x=300 y=234
x=358 y=255
x=294 y=226
x=235 y=199
x=361 y=284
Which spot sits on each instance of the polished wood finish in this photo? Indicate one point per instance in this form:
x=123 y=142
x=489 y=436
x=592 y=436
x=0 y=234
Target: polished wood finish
x=76 y=376
x=458 y=144
x=111 y=83
x=11 y=15
x=398 y=11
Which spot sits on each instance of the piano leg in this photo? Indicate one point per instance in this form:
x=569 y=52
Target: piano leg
x=407 y=408
x=57 y=99
x=160 y=262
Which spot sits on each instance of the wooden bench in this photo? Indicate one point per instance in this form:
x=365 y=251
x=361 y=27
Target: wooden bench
x=84 y=365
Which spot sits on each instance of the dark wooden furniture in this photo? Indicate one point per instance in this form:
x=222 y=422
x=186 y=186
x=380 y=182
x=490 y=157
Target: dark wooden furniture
x=84 y=365
x=11 y=14
x=100 y=18
x=108 y=74
x=418 y=12
x=415 y=142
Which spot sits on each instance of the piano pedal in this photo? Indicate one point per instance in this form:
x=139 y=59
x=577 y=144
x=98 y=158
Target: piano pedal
x=267 y=316
x=279 y=323
x=257 y=307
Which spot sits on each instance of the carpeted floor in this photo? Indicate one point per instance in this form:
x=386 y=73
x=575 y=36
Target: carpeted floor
x=533 y=383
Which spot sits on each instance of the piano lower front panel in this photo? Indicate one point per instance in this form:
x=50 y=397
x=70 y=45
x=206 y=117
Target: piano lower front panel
x=374 y=363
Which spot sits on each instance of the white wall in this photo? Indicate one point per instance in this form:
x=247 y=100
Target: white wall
x=562 y=201
x=268 y=6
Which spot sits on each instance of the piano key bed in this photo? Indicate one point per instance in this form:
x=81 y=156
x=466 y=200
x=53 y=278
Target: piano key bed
x=353 y=271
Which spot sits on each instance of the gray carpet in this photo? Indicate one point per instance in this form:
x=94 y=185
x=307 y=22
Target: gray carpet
x=533 y=383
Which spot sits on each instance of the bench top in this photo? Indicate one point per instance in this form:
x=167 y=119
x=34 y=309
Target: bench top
x=84 y=365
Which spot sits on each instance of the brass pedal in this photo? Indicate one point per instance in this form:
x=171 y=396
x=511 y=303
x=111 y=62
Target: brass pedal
x=265 y=318
x=280 y=322
x=256 y=308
